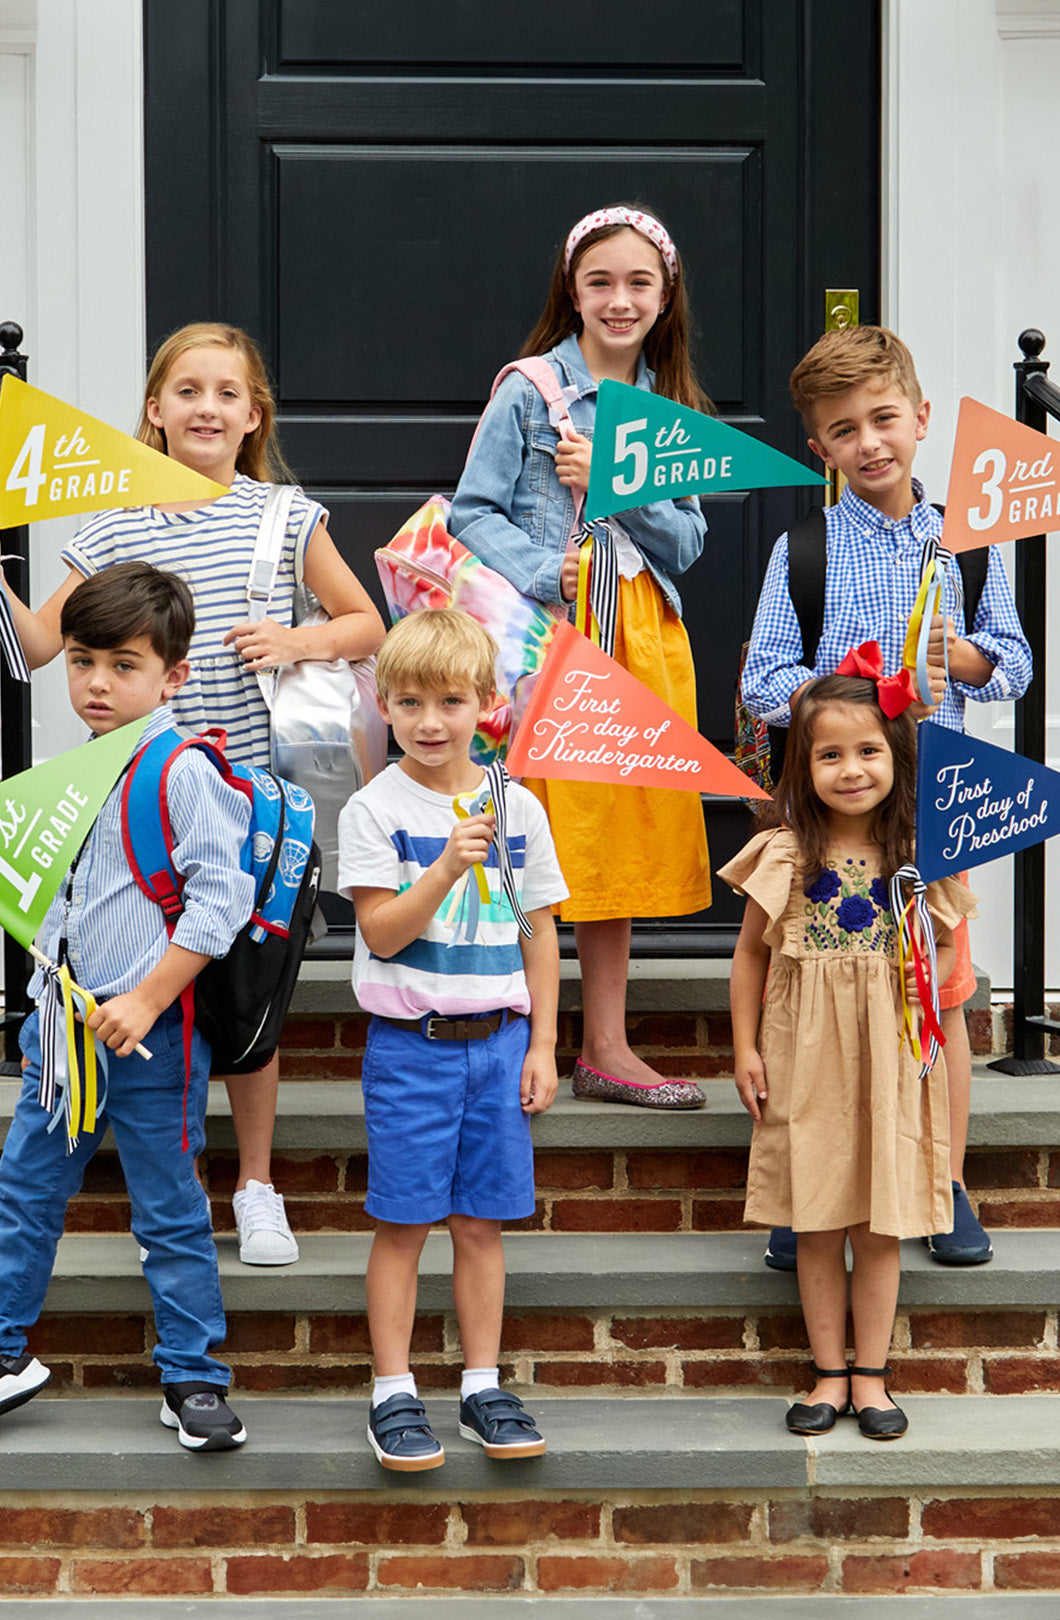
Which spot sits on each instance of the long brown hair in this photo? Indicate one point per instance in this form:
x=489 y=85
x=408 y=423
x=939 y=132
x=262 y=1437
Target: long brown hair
x=259 y=455
x=665 y=347
x=795 y=803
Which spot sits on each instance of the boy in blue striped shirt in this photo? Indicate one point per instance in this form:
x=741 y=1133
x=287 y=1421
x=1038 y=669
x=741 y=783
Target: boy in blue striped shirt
x=861 y=404
x=126 y=633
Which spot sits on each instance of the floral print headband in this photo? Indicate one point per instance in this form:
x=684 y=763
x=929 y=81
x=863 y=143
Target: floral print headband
x=637 y=220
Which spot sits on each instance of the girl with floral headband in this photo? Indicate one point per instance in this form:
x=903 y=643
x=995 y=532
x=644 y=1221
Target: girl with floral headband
x=848 y=1141
x=616 y=308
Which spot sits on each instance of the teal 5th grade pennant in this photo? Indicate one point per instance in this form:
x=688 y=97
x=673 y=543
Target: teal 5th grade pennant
x=647 y=448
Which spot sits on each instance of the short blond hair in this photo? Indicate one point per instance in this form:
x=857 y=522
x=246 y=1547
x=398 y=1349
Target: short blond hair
x=434 y=648
x=847 y=358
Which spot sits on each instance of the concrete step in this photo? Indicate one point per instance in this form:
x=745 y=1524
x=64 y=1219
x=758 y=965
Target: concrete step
x=676 y=1443
x=328 y=1116
x=556 y=1271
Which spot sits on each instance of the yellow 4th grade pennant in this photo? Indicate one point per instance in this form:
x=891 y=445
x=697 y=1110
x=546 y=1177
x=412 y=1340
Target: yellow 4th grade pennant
x=56 y=460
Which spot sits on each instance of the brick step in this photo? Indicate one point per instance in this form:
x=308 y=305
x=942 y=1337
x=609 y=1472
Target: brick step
x=823 y=1606
x=600 y=1167
x=683 y=1495
x=634 y=1311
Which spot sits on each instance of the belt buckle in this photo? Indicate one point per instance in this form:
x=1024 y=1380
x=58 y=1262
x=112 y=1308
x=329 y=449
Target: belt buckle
x=429 y=1031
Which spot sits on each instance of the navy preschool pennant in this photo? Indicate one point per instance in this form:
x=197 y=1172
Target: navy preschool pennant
x=648 y=448
x=976 y=802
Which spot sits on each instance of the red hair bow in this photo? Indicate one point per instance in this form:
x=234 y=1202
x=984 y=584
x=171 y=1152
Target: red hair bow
x=895 y=692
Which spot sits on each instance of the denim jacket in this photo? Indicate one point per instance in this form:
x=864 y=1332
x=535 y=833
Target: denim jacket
x=511 y=510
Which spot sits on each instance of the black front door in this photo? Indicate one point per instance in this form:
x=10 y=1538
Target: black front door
x=377 y=189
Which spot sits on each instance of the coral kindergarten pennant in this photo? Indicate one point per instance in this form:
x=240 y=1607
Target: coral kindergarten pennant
x=975 y=802
x=1004 y=480
x=56 y=460
x=648 y=448
x=590 y=720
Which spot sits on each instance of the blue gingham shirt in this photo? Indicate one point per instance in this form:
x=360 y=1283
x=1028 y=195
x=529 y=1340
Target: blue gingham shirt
x=871 y=583
x=115 y=934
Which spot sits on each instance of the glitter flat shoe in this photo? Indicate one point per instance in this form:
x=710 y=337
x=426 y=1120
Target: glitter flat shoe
x=591 y=1083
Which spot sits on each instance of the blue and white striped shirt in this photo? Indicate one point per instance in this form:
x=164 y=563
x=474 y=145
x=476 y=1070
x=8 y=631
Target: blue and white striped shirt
x=115 y=934
x=871 y=583
x=211 y=549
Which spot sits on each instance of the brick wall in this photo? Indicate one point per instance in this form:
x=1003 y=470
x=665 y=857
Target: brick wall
x=661 y=1543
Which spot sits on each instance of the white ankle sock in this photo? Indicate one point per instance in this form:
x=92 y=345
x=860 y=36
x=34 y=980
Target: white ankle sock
x=397 y=1384
x=473 y=1380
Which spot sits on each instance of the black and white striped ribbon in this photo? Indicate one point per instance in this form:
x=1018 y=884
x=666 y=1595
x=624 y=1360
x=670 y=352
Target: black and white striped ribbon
x=603 y=585
x=16 y=658
x=909 y=874
x=498 y=779
x=50 y=1005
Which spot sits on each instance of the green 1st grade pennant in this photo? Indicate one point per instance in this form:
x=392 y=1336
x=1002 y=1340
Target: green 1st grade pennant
x=45 y=816
x=647 y=448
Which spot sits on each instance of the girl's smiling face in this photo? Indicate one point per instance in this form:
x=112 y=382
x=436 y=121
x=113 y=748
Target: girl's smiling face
x=851 y=766
x=619 y=290
x=205 y=410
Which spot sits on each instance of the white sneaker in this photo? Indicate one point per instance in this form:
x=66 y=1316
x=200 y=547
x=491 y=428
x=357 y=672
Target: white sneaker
x=265 y=1239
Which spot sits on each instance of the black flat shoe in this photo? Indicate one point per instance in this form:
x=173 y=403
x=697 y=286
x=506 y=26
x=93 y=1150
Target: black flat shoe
x=820 y=1417
x=879 y=1422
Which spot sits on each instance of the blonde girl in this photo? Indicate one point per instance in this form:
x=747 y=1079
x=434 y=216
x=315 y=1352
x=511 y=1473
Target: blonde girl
x=616 y=308
x=208 y=404
x=847 y=1141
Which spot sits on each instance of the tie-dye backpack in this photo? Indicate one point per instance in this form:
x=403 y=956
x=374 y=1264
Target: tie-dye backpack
x=424 y=567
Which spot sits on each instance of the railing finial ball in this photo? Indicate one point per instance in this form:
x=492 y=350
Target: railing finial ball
x=1032 y=342
x=11 y=334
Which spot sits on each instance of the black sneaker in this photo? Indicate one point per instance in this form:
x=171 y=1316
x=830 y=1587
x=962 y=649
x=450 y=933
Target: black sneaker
x=20 y=1379
x=202 y=1420
x=782 y=1249
x=500 y=1424
x=400 y=1436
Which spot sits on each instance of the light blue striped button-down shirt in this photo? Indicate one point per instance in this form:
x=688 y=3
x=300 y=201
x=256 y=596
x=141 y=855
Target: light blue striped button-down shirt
x=115 y=934
x=871 y=584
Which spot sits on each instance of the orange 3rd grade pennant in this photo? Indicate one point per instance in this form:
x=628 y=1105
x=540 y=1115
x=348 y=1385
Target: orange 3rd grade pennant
x=1004 y=480
x=590 y=720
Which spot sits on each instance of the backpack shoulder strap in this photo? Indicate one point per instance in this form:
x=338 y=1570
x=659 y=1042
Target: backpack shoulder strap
x=807 y=566
x=973 y=566
x=146 y=829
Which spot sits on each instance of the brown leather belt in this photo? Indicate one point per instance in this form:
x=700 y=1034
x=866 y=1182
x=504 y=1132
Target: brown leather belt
x=437 y=1028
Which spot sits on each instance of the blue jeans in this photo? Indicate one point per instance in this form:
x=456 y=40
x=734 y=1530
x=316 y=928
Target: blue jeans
x=170 y=1212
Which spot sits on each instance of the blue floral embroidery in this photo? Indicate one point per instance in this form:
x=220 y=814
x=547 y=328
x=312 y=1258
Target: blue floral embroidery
x=824 y=887
x=845 y=909
x=855 y=914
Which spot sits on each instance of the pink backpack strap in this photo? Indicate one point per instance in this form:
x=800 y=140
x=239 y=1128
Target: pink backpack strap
x=536 y=369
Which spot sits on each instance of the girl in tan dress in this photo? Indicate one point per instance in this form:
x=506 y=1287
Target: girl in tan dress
x=848 y=1142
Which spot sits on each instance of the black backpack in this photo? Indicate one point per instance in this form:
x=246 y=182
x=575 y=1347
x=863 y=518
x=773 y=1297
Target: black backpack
x=807 y=566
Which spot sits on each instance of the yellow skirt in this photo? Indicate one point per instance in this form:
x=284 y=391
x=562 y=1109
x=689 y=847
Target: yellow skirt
x=631 y=851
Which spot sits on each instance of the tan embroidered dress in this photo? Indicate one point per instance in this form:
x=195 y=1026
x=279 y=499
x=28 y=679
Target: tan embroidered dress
x=849 y=1133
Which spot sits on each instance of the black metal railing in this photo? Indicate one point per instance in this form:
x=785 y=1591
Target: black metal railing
x=15 y=735
x=1036 y=400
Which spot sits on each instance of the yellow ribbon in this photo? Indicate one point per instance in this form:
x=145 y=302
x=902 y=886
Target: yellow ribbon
x=584 y=618
x=478 y=869
x=931 y=581
x=91 y=1095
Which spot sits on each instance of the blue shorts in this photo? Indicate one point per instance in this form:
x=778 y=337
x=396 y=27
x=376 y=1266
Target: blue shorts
x=446 y=1132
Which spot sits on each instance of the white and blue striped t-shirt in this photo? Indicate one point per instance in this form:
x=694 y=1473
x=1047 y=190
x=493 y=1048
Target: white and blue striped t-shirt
x=210 y=548
x=389 y=833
